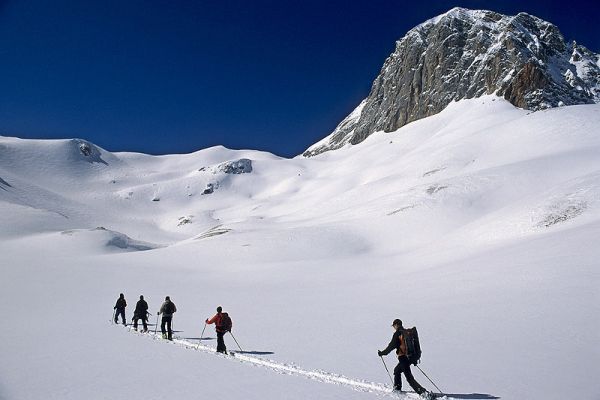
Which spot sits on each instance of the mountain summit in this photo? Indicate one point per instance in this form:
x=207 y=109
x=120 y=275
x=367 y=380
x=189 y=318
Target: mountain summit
x=469 y=53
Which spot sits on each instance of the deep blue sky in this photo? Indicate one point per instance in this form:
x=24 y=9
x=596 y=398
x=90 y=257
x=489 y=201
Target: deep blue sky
x=177 y=76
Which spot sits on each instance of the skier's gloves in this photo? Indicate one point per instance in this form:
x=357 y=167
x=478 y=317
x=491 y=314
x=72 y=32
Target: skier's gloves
x=379 y=353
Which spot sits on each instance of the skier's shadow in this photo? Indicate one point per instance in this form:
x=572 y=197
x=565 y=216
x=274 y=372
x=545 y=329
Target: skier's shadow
x=472 y=396
x=256 y=353
x=202 y=338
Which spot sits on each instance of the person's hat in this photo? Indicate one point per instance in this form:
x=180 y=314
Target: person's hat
x=167 y=298
x=397 y=322
x=219 y=309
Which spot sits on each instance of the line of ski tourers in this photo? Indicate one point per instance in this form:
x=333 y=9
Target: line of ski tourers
x=221 y=319
x=404 y=341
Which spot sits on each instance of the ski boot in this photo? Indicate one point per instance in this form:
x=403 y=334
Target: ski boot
x=427 y=395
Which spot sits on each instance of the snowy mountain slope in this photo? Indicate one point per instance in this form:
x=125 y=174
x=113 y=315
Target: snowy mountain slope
x=479 y=225
x=464 y=156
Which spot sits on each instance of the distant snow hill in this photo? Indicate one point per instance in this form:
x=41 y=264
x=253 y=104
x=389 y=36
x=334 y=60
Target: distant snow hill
x=480 y=165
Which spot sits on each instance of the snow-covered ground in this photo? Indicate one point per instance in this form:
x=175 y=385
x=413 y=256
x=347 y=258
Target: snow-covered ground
x=479 y=225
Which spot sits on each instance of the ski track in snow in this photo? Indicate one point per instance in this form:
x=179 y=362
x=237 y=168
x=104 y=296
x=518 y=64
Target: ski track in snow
x=288 y=368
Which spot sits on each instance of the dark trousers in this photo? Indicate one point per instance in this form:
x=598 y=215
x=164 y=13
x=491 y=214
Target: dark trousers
x=144 y=320
x=167 y=321
x=221 y=342
x=122 y=314
x=404 y=367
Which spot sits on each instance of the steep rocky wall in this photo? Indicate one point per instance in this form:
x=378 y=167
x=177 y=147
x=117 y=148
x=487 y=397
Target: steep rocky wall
x=465 y=54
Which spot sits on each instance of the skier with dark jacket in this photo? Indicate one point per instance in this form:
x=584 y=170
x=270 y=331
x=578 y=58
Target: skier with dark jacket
x=167 y=310
x=120 y=309
x=141 y=312
x=222 y=326
x=398 y=343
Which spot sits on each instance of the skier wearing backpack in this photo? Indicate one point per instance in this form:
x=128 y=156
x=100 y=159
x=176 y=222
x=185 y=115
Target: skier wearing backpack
x=167 y=310
x=222 y=326
x=120 y=309
x=141 y=312
x=398 y=343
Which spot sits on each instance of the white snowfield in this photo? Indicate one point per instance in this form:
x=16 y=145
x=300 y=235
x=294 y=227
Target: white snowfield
x=479 y=225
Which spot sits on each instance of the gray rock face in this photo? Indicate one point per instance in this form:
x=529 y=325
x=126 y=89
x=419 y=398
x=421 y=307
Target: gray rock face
x=236 y=167
x=465 y=54
x=241 y=166
x=90 y=152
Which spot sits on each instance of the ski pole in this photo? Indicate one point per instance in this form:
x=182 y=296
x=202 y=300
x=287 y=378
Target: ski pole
x=429 y=379
x=201 y=336
x=236 y=342
x=156 y=325
x=388 y=371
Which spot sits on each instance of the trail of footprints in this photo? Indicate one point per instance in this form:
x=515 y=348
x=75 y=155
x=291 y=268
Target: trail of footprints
x=286 y=368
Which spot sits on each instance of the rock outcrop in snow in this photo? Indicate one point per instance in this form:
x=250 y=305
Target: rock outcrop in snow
x=466 y=54
x=89 y=151
x=232 y=167
x=241 y=166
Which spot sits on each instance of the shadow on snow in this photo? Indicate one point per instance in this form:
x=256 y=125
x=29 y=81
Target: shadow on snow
x=473 y=396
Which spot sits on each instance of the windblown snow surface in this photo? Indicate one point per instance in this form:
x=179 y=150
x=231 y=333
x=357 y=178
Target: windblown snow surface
x=479 y=225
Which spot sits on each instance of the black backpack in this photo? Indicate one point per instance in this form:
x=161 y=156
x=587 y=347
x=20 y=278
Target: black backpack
x=226 y=323
x=169 y=307
x=413 y=347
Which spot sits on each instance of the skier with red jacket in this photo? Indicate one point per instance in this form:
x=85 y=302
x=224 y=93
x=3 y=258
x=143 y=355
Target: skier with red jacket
x=222 y=326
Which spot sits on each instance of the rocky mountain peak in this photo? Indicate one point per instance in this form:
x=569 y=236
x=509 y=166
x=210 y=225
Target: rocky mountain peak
x=469 y=53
